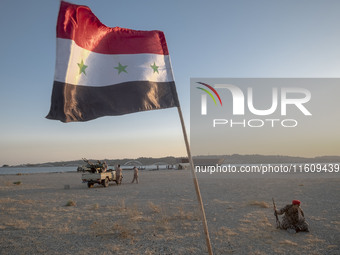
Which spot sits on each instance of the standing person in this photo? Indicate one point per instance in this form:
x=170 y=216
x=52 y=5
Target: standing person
x=119 y=175
x=293 y=218
x=135 y=175
x=104 y=167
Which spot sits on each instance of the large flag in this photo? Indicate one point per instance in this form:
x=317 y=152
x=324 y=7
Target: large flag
x=107 y=71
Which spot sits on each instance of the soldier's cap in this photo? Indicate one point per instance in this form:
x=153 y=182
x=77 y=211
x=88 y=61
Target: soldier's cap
x=296 y=202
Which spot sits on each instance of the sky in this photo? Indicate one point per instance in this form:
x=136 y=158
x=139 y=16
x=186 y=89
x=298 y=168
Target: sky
x=226 y=38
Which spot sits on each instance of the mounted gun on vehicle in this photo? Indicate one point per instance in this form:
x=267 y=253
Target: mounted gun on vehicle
x=97 y=173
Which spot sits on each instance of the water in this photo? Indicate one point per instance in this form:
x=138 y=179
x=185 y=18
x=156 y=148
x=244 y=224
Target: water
x=30 y=170
x=315 y=174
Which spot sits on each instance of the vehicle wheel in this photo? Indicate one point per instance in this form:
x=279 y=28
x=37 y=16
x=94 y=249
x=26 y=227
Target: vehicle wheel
x=106 y=182
x=89 y=184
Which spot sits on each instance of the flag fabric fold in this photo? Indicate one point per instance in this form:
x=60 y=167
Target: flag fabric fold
x=107 y=71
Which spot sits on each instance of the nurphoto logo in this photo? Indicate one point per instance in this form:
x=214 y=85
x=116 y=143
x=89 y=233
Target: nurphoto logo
x=279 y=101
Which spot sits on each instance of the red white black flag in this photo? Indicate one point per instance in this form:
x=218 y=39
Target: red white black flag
x=107 y=71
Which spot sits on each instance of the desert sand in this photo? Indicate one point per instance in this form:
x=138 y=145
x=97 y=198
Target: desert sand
x=55 y=213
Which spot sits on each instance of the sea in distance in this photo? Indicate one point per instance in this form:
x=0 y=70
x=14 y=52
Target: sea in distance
x=63 y=169
x=309 y=170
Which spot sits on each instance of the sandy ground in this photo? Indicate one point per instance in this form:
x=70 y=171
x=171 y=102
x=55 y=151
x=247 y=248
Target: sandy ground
x=160 y=215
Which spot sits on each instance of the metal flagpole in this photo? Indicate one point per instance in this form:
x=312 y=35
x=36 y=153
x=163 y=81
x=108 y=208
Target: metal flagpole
x=197 y=188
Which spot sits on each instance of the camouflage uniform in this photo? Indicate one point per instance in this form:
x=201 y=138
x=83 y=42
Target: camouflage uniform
x=135 y=175
x=293 y=218
x=119 y=175
x=104 y=167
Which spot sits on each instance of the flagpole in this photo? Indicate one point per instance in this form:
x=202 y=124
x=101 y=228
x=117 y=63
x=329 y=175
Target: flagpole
x=197 y=188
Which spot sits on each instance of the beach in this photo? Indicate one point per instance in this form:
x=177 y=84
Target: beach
x=55 y=213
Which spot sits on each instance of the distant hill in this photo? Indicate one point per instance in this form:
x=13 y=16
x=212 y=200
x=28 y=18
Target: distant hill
x=226 y=159
x=111 y=162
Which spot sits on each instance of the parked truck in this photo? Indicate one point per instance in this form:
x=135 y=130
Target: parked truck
x=97 y=173
x=100 y=178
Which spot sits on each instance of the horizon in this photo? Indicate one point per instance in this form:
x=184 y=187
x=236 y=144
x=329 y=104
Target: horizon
x=180 y=157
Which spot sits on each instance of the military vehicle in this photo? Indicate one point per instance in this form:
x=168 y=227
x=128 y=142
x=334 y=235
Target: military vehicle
x=100 y=178
x=97 y=173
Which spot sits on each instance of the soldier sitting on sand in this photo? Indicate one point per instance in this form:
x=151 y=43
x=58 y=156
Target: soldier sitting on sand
x=293 y=218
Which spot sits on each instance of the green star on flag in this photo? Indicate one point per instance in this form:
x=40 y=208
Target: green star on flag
x=154 y=67
x=82 y=67
x=121 y=68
